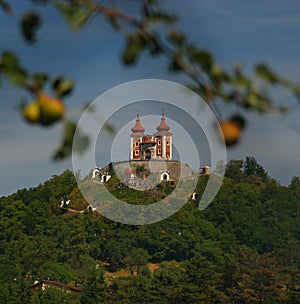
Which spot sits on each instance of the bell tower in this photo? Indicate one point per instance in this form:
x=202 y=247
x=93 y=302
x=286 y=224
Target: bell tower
x=136 y=139
x=166 y=138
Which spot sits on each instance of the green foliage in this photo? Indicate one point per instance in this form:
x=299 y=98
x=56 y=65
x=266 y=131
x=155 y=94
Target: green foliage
x=137 y=257
x=93 y=287
x=154 y=31
x=295 y=183
x=52 y=295
x=5 y=6
x=263 y=71
x=243 y=248
x=251 y=167
x=39 y=80
x=234 y=169
x=79 y=144
x=10 y=65
x=134 y=46
x=62 y=86
x=30 y=23
x=75 y=14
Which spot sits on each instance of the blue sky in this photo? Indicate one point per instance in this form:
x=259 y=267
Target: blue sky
x=235 y=31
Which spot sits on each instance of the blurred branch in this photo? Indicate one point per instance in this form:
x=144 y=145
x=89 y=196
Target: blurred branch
x=153 y=31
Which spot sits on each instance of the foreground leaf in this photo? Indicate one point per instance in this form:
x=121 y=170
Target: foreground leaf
x=9 y=64
x=30 y=23
x=263 y=71
x=79 y=145
x=6 y=7
x=75 y=15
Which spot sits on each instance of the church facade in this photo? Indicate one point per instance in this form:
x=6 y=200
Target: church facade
x=155 y=146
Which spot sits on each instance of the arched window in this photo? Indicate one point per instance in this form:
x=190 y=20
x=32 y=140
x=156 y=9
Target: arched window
x=165 y=176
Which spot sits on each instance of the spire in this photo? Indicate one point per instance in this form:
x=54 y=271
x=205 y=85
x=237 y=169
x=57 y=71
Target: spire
x=138 y=129
x=163 y=128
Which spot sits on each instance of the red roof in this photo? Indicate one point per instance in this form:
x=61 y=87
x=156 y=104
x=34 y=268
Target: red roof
x=163 y=128
x=138 y=129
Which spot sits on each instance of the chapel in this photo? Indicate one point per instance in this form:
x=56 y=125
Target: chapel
x=148 y=147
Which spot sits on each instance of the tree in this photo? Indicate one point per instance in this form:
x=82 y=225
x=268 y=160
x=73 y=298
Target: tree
x=53 y=295
x=255 y=278
x=244 y=248
x=152 y=31
x=137 y=258
x=234 y=169
x=93 y=287
x=295 y=183
x=252 y=167
x=203 y=279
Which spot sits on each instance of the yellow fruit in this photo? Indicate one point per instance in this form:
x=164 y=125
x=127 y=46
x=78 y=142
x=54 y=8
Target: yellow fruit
x=32 y=112
x=231 y=132
x=52 y=109
x=216 y=71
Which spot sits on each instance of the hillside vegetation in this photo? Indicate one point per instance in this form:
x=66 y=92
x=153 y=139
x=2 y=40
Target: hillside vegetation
x=244 y=248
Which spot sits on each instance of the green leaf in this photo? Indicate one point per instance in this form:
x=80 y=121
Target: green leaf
x=62 y=86
x=75 y=15
x=218 y=75
x=6 y=7
x=176 y=37
x=110 y=129
x=113 y=20
x=12 y=69
x=162 y=17
x=174 y=66
x=258 y=102
x=39 y=79
x=238 y=78
x=9 y=60
x=254 y=101
x=17 y=77
x=65 y=88
x=135 y=45
x=264 y=72
x=70 y=128
x=79 y=145
x=203 y=58
x=296 y=91
x=30 y=23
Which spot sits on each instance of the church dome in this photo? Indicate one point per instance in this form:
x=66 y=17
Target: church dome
x=138 y=130
x=163 y=128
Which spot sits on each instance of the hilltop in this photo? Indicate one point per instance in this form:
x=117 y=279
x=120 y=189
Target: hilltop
x=243 y=248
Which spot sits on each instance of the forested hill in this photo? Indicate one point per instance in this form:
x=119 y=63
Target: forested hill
x=244 y=248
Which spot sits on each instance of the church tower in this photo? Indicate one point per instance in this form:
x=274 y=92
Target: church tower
x=164 y=138
x=136 y=138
